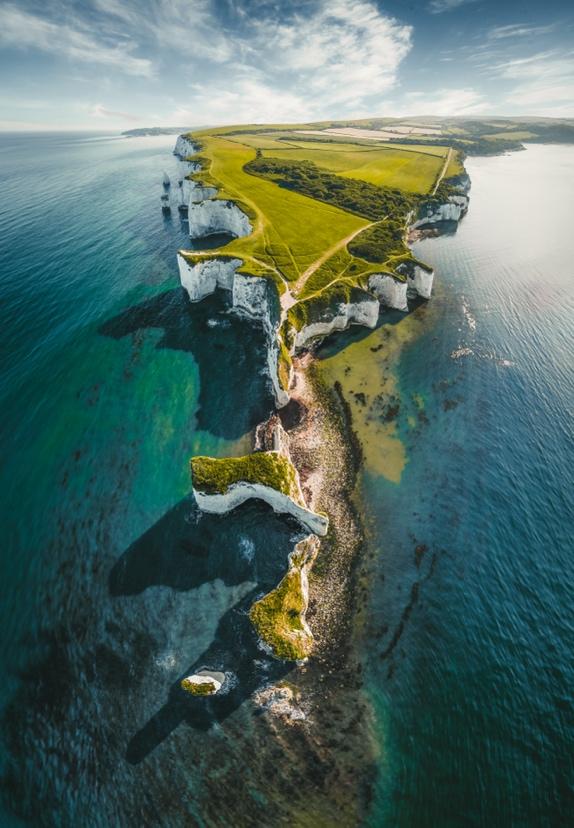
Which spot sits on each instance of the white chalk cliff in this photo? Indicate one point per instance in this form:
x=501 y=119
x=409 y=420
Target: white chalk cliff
x=251 y=296
x=199 y=193
x=451 y=210
x=183 y=147
x=238 y=493
x=217 y=216
x=389 y=291
x=339 y=318
x=420 y=278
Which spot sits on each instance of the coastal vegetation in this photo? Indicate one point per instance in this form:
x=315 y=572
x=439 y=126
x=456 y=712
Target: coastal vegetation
x=212 y=475
x=195 y=688
x=277 y=618
x=352 y=195
x=380 y=241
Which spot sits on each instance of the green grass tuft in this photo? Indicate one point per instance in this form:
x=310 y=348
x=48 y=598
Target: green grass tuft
x=212 y=475
x=277 y=619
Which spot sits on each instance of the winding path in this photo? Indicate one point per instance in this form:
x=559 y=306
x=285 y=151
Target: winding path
x=324 y=257
x=443 y=171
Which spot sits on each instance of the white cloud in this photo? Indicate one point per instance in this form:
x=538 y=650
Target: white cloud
x=551 y=64
x=440 y=6
x=345 y=52
x=21 y=29
x=187 y=26
x=100 y=111
x=518 y=30
x=303 y=68
x=246 y=101
x=544 y=83
x=444 y=102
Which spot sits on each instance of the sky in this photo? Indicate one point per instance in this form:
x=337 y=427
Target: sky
x=121 y=64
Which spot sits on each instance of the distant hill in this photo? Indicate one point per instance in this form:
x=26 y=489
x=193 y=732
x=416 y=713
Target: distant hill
x=138 y=133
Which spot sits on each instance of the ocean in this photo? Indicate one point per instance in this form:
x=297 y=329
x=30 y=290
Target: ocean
x=472 y=606
x=112 y=585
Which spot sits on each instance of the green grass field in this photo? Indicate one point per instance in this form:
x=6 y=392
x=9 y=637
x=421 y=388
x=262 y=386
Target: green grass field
x=297 y=239
x=410 y=168
x=291 y=231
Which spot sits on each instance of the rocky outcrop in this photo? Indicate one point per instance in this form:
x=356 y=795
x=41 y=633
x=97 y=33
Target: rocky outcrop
x=238 y=493
x=184 y=147
x=217 y=216
x=279 y=616
x=203 y=683
x=433 y=213
x=420 y=277
x=252 y=296
x=390 y=291
x=339 y=317
x=205 y=276
x=198 y=193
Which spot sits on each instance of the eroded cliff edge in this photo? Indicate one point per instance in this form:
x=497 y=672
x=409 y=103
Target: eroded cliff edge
x=294 y=322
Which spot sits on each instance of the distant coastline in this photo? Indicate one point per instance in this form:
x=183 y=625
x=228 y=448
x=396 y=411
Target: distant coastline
x=143 y=132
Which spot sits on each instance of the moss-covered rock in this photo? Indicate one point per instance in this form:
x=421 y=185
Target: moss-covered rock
x=203 y=683
x=268 y=468
x=279 y=617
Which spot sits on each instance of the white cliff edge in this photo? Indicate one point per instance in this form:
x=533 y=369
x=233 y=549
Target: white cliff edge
x=184 y=147
x=391 y=292
x=420 y=278
x=238 y=493
x=451 y=210
x=342 y=316
x=251 y=296
x=214 y=215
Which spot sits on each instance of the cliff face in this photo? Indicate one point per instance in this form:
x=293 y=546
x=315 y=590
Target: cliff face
x=251 y=295
x=389 y=291
x=217 y=216
x=206 y=276
x=183 y=147
x=279 y=502
x=199 y=193
x=419 y=278
x=339 y=317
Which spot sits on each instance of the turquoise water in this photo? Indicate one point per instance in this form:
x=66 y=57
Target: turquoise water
x=112 y=586
x=473 y=593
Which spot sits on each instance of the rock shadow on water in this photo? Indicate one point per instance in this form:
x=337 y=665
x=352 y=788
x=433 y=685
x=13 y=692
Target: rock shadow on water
x=340 y=340
x=234 y=651
x=187 y=548
x=235 y=391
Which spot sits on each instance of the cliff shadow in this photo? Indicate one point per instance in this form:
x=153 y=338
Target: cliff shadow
x=235 y=651
x=187 y=548
x=235 y=391
x=340 y=340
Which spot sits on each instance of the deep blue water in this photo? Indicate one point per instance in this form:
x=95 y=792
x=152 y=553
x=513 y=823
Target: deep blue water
x=472 y=674
x=112 y=588
x=111 y=585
